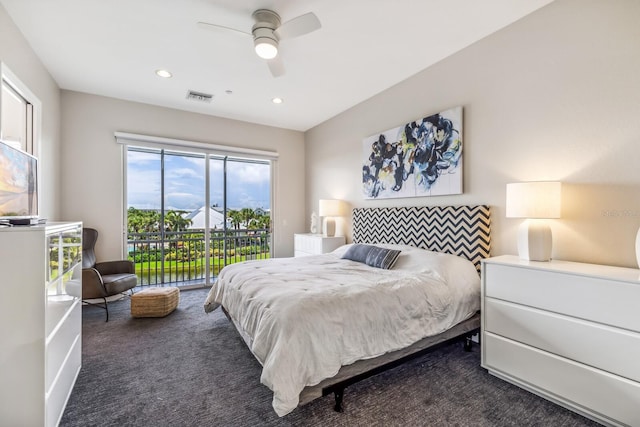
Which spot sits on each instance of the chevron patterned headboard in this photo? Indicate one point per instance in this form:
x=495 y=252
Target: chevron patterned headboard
x=458 y=230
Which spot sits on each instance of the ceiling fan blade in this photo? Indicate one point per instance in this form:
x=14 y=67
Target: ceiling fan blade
x=216 y=27
x=276 y=66
x=298 y=26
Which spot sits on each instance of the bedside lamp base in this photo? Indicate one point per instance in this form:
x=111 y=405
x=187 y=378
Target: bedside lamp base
x=534 y=240
x=329 y=227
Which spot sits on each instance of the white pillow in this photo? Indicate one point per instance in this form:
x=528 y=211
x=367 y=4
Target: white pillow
x=456 y=270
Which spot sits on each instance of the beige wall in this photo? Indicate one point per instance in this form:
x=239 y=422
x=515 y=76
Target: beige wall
x=92 y=176
x=16 y=54
x=555 y=96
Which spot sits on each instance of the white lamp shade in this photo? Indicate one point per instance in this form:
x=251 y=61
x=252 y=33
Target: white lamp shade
x=534 y=199
x=329 y=207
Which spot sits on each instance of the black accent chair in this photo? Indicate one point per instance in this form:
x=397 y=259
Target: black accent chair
x=103 y=279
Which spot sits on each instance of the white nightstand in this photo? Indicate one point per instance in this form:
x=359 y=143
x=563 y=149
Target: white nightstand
x=316 y=244
x=567 y=331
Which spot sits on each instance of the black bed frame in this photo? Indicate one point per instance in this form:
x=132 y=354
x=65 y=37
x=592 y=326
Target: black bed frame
x=363 y=369
x=338 y=388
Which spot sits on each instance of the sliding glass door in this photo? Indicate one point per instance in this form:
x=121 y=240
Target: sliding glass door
x=189 y=214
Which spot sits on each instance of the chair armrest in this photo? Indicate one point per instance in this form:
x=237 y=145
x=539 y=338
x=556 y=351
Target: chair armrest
x=92 y=286
x=115 y=267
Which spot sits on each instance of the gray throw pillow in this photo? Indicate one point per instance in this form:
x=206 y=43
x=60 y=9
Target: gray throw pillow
x=373 y=256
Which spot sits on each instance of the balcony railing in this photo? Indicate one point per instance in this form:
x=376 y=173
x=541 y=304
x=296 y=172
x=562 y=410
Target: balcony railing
x=179 y=258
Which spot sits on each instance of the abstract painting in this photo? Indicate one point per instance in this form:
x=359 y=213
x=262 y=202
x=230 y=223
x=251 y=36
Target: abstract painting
x=420 y=158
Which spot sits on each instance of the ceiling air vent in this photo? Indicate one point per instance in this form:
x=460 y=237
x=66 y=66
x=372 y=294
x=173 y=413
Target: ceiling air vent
x=199 y=96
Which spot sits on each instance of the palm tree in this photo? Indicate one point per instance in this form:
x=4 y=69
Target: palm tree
x=261 y=222
x=142 y=221
x=175 y=221
x=247 y=214
x=236 y=218
x=265 y=222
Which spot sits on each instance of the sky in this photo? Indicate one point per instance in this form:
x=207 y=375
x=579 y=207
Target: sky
x=248 y=183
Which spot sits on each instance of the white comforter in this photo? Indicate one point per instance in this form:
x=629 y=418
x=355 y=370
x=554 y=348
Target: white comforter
x=309 y=316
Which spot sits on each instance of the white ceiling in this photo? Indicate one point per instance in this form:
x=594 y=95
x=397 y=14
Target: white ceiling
x=113 y=47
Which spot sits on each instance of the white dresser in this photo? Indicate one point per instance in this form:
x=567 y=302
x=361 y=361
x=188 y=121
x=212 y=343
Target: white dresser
x=316 y=244
x=569 y=332
x=40 y=322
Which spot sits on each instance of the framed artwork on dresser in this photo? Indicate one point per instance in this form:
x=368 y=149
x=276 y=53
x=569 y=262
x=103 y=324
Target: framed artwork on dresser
x=420 y=158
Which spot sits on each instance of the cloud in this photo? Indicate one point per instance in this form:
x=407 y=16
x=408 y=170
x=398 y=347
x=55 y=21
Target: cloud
x=248 y=183
x=249 y=172
x=147 y=181
x=179 y=173
x=135 y=158
x=183 y=201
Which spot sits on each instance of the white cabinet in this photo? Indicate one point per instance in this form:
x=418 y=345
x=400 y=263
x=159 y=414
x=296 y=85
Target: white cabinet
x=569 y=332
x=40 y=321
x=316 y=244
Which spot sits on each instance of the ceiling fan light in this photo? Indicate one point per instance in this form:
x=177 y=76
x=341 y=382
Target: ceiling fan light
x=266 y=48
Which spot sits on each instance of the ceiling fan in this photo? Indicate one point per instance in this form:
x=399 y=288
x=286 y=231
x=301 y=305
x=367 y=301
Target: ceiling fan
x=267 y=32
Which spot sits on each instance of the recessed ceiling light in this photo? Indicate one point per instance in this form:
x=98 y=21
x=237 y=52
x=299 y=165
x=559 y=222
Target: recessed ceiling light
x=277 y=100
x=163 y=73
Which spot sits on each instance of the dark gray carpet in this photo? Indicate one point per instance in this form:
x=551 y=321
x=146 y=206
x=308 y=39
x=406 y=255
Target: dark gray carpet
x=193 y=369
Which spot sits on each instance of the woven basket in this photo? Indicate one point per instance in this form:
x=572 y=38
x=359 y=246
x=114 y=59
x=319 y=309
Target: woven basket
x=154 y=302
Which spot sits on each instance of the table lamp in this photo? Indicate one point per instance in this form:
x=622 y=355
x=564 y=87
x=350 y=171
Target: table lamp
x=534 y=201
x=328 y=209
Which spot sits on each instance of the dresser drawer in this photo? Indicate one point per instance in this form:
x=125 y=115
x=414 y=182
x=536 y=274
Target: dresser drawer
x=579 y=387
x=59 y=343
x=56 y=398
x=601 y=300
x=610 y=349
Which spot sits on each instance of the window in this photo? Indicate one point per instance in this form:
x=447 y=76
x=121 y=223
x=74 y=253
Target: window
x=190 y=212
x=18 y=107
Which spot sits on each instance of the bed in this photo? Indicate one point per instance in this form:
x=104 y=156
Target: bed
x=320 y=323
